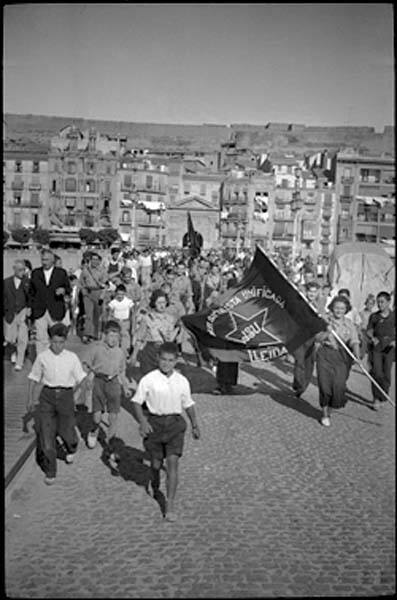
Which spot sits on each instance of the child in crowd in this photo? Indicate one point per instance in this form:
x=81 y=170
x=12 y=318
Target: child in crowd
x=106 y=360
x=121 y=310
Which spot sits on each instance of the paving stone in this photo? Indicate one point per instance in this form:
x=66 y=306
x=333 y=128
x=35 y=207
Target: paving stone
x=270 y=504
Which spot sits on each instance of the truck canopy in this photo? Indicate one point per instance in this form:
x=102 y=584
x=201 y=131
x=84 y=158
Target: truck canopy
x=363 y=268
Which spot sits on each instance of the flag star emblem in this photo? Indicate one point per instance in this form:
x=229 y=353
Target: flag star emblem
x=246 y=329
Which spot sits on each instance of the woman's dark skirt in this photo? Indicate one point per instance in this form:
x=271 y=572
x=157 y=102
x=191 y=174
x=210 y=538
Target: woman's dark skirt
x=333 y=369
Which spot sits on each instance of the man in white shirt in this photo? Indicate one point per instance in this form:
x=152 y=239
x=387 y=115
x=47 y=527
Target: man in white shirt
x=166 y=393
x=55 y=375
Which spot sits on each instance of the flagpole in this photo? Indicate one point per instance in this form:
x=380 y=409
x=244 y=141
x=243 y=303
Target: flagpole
x=376 y=384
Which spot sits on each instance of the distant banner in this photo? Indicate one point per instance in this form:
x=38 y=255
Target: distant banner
x=260 y=319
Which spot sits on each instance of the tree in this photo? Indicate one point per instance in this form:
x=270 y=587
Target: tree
x=108 y=236
x=21 y=236
x=41 y=236
x=87 y=236
x=6 y=237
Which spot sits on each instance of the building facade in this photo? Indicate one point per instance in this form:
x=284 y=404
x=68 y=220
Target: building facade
x=141 y=200
x=25 y=187
x=205 y=218
x=82 y=167
x=365 y=187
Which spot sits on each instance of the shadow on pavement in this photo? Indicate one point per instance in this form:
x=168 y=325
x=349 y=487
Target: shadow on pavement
x=127 y=462
x=283 y=394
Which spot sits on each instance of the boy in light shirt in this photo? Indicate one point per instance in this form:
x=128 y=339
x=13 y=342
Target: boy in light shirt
x=121 y=310
x=166 y=393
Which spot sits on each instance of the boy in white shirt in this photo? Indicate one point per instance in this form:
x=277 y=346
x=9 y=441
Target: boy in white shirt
x=120 y=309
x=166 y=393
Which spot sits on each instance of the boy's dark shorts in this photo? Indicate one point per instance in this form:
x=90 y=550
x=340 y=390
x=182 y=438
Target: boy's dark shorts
x=106 y=395
x=167 y=437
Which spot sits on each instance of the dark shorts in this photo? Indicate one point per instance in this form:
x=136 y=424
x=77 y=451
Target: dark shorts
x=106 y=395
x=167 y=436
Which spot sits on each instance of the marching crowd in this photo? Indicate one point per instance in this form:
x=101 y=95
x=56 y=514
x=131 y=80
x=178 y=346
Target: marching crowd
x=127 y=307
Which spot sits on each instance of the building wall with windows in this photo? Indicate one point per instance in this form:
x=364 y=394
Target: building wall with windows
x=203 y=185
x=247 y=202
x=365 y=188
x=142 y=198
x=25 y=188
x=81 y=173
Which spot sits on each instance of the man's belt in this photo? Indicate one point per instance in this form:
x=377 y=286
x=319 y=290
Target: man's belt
x=57 y=387
x=105 y=377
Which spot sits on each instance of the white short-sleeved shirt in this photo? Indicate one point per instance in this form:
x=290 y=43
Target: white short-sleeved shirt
x=63 y=370
x=121 y=309
x=164 y=395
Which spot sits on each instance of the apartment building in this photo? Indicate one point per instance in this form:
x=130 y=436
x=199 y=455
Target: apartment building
x=82 y=166
x=25 y=186
x=141 y=200
x=365 y=188
x=246 y=206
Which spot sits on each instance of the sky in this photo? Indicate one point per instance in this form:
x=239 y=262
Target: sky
x=315 y=64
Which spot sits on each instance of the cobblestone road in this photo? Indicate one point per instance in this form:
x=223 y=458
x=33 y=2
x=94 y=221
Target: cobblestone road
x=269 y=502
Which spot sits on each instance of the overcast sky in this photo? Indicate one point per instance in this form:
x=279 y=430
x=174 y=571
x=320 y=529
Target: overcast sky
x=317 y=64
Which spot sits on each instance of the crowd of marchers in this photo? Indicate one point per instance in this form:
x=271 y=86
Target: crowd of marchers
x=127 y=308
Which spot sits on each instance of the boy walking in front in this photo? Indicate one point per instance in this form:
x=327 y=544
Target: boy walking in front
x=162 y=426
x=107 y=361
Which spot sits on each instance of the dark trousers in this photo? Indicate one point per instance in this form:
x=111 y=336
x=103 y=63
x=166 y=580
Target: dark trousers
x=381 y=364
x=333 y=369
x=227 y=373
x=55 y=416
x=303 y=366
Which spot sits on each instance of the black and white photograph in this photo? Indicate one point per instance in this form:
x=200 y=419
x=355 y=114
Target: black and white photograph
x=199 y=300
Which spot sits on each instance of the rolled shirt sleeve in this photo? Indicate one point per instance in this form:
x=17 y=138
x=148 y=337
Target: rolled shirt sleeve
x=36 y=372
x=78 y=371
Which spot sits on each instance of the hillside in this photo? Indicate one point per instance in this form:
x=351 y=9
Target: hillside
x=273 y=136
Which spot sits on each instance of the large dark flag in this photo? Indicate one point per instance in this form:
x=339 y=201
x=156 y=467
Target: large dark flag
x=192 y=239
x=260 y=319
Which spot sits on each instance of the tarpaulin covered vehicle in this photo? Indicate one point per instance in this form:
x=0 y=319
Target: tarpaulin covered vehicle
x=363 y=268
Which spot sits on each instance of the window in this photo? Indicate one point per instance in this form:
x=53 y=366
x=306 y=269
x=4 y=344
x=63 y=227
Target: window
x=54 y=185
x=17 y=198
x=91 y=168
x=186 y=188
x=149 y=182
x=70 y=184
x=90 y=185
x=34 y=219
x=70 y=202
x=108 y=169
x=107 y=187
x=35 y=198
x=347 y=173
x=370 y=175
x=203 y=189
x=346 y=190
x=127 y=180
x=125 y=217
x=17 y=219
x=71 y=167
x=148 y=198
x=36 y=167
x=18 y=166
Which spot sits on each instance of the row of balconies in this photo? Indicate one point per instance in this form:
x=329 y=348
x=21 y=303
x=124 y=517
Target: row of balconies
x=20 y=185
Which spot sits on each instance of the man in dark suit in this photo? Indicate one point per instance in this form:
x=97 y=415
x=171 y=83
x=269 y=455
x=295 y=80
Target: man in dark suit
x=15 y=297
x=49 y=285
